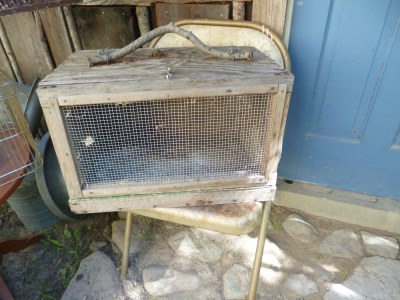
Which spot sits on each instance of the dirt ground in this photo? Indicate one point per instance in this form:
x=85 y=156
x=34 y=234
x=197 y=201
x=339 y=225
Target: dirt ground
x=44 y=270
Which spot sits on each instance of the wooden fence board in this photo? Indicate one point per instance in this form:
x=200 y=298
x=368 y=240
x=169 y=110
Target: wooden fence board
x=5 y=66
x=56 y=33
x=270 y=13
x=166 y=13
x=24 y=39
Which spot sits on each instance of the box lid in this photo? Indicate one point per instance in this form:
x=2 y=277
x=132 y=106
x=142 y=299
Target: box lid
x=146 y=70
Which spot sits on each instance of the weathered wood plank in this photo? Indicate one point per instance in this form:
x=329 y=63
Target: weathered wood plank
x=143 y=16
x=57 y=131
x=283 y=125
x=56 y=33
x=270 y=13
x=43 y=41
x=133 y=202
x=163 y=93
x=104 y=27
x=9 y=53
x=72 y=30
x=25 y=42
x=166 y=13
x=273 y=151
x=142 y=72
x=238 y=10
x=5 y=65
x=135 y=188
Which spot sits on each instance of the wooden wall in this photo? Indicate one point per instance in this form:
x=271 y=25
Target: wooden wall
x=33 y=43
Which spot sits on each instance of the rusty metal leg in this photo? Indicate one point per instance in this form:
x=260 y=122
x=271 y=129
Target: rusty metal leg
x=260 y=249
x=127 y=243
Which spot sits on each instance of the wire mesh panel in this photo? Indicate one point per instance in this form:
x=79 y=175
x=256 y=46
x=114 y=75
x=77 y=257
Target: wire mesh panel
x=174 y=140
x=18 y=152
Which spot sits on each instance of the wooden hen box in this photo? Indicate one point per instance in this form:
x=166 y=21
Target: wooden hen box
x=127 y=137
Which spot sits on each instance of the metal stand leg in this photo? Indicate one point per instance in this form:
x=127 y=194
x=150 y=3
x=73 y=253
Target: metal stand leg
x=127 y=244
x=260 y=249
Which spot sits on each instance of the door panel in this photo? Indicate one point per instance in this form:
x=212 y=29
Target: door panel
x=337 y=78
x=343 y=128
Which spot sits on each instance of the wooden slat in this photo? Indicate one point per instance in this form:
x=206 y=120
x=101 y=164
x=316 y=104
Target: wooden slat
x=5 y=65
x=75 y=82
x=163 y=92
x=187 y=65
x=133 y=202
x=143 y=17
x=270 y=13
x=72 y=28
x=104 y=27
x=166 y=13
x=56 y=34
x=5 y=43
x=43 y=41
x=25 y=42
x=238 y=10
x=255 y=181
x=57 y=131
x=273 y=155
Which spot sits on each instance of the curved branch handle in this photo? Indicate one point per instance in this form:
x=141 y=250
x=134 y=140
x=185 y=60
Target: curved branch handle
x=170 y=28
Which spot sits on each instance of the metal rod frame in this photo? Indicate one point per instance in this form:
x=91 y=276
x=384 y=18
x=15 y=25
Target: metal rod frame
x=127 y=244
x=260 y=250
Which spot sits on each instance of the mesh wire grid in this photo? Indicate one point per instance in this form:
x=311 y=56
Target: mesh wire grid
x=174 y=140
x=18 y=152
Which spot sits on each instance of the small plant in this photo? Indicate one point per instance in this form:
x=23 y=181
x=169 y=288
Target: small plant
x=277 y=226
x=74 y=249
x=70 y=250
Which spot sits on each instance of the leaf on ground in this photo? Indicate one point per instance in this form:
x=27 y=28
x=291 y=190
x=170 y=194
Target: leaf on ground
x=56 y=243
x=67 y=233
x=78 y=233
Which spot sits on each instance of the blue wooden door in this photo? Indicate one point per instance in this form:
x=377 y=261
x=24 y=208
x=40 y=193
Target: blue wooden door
x=343 y=128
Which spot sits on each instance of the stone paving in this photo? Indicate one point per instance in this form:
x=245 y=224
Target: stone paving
x=305 y=257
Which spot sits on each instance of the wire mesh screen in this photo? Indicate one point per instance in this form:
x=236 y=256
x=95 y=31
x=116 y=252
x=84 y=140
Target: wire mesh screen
x=18 y=152
x=174 y=140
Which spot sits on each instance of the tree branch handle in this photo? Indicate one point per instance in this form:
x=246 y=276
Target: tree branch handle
x=170 y=28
